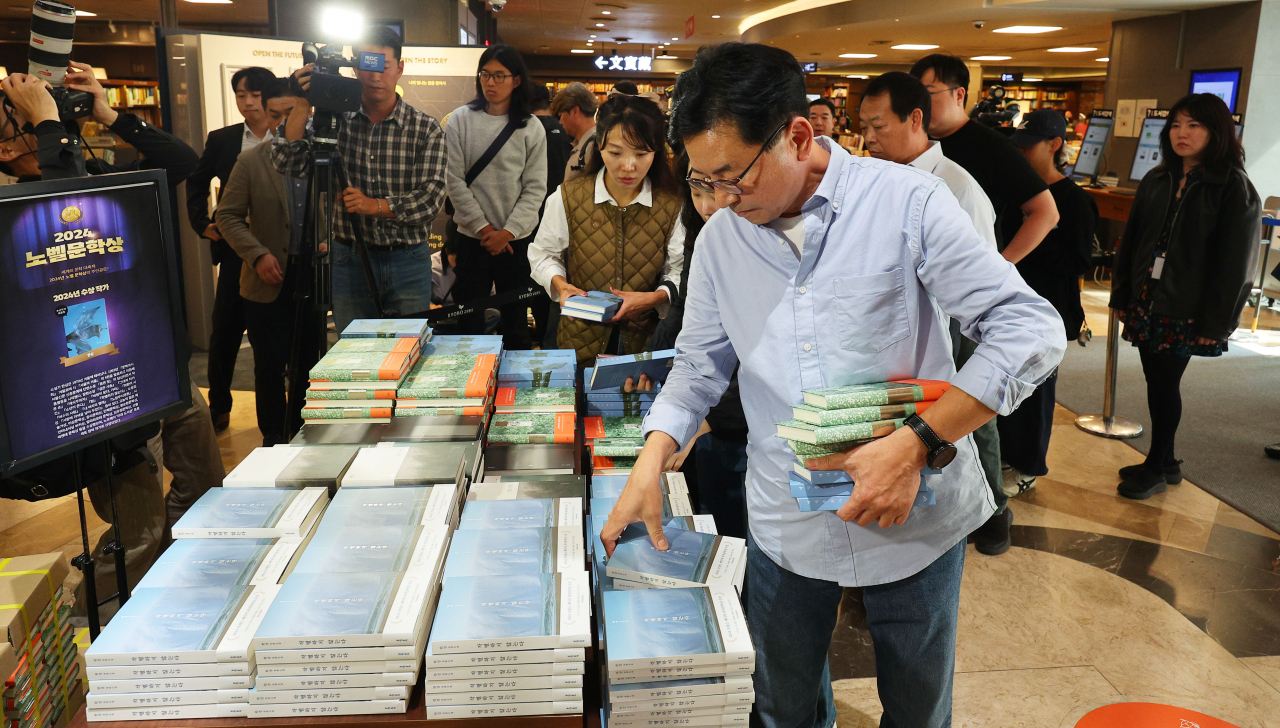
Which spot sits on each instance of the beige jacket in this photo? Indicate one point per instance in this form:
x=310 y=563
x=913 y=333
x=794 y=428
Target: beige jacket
x=253 y=215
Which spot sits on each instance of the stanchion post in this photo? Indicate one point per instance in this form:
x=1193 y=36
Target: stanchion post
x=1107 y=424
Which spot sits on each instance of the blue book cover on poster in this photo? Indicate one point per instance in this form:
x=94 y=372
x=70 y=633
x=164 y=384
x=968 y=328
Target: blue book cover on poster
x=461 y=344
x=607 y=486
x=613 y=371
x=520 y=513
x=493 y=552
x=616 y=395
x=181 y=619
x=191 y=562
x=386 y=329
x=329 y=604
x=687 y=558
x=660 y=623
x=484 y=607
x=545 y=365
x=354 y=549
x=237 y=508
x=392 y=506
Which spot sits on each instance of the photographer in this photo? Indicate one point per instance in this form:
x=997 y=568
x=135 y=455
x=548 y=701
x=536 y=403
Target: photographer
x=34 y=145
x=394 y=161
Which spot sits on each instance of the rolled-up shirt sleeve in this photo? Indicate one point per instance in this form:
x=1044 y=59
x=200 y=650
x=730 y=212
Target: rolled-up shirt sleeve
x=291 y=158
x=1020 y=336
x=705 y=360
x=546 y=252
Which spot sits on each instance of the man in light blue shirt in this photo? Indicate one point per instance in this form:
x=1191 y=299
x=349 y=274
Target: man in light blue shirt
x=830 y=270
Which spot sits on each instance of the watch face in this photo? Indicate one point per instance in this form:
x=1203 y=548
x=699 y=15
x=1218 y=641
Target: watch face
x=943 y=457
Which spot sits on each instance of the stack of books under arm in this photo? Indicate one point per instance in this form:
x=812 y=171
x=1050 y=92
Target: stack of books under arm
x=455 y=376
x=835 y=419
x=38 y=666
x=514 y=618
x=595 y=306
x=356 y=380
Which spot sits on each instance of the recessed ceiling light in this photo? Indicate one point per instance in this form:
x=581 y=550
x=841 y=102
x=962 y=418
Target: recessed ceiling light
x=675 y=39
x=581 y=50
x=1104 y=60
x=1031 y=80
x=599 y=25
x=591 y=36
x=1071 y=49
x=717 y=17
x=1027 y=29
x=857 y=55
x=913 y=47
x=990 y=58
x=606 y=12
x=668 y=57
x=863 y=77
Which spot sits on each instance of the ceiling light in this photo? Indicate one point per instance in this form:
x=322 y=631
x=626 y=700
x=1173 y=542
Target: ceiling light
x=1027 y=29
x=669 y=57
x=599 y=25
x=1031 y=80
x=913 y=47
x=857 y=55
x=581 y=50
x=1071 y=49
x=85 y=14
x=717 y=17
x=591 y=36
x=990 y=58
x=228 y=2
x=675 y=39
x=862 y=77
x=1103 y=60
x=606 y=12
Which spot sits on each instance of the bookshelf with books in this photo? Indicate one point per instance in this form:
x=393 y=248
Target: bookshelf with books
x=141 y=98
x=601 y=88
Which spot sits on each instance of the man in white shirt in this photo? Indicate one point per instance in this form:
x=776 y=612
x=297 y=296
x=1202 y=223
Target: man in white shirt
x=576 y=106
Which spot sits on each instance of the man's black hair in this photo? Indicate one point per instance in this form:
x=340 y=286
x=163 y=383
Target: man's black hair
x=382 y=36
x=946 y=68
x=755 y=87
x=539 y=97
x=274 y=90
x=823 y=102
x=511 y=60
x=256 y=79
x=627 y=87
x=906 y=94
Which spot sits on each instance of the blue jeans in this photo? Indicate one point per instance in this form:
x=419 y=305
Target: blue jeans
x=722 y=474
x=913 y=629
x=403 y=278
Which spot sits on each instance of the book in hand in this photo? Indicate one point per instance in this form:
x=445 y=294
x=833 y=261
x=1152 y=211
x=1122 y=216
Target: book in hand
x=352 y=549
x=876 y=393
x=523 y=513
x=818 y=477
x=252 y=513
x=924 y=497
x=351 y=610
x=286 y=466
x=805 y=450
x=618 y=395
x=514 y=488
x=340 y=365
x=387 y=328
x=213 y=562
x=595 y=306
x=831 y=417
x=691 y=559
x=512 y=612
x=614 y=371
x=183 y=625
x=536 y=428
x=613 y=427
x=392 y=507
x=541 y=399
x=407 y=464
x=805 y=432
x=620 y=447
x=538 y=368
x=699 y=626
x=514 y=551
x=841 y=490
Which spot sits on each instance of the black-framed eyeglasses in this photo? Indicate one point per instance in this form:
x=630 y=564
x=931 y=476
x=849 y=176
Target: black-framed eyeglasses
x=731 y=185
x=949 y=88
x=498 y=77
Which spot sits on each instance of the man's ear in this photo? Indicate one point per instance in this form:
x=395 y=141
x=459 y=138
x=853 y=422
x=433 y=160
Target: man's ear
x=801 y=134
x=916 y=120
x=9 y=151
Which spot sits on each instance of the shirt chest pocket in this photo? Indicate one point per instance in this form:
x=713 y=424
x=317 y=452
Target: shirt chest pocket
x=871 y=311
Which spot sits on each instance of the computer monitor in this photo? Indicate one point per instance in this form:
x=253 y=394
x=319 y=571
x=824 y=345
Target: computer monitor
x=1223 y=83
x=1096 y=136
x=1147 y=156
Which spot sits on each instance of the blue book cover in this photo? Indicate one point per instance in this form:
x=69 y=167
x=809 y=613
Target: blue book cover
x=386 y=329
x=594 y=302
x=602 y=506
x=833 y=502
x=192 y=562
x=607 y=486
x=616 y=394
x=494 y=552
x=544 y=365
x=687 y=558
x=493 y=607
x=358 y=549
x=520 y=513
x=460 y=344
x=623 y=411
x=319 y=605
x=613 y=372
x=819 y=477
x=649 y=623
x=394 y=506
x=237 y=508
x=180 y=619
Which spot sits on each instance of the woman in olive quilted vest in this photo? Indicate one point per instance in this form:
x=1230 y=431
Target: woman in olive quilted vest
x=615 y=229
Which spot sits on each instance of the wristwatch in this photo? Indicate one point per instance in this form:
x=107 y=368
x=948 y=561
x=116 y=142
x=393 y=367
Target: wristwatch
x=941 y=452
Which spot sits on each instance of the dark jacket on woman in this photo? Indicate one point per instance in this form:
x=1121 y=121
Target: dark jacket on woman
x=1208 y=269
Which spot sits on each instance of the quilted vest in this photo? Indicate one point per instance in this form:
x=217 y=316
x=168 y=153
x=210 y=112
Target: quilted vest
x=609 y=246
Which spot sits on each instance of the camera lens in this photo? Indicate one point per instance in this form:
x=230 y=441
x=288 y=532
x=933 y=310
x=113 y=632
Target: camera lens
x=53 y=25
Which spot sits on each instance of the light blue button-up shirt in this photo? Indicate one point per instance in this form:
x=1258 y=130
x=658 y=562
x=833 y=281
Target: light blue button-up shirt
x=888 y=256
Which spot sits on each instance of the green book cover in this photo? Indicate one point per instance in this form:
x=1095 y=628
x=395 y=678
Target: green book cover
x=864 y=395
x=365 y=345
x=532 y=428
x=808 y=450
x=432 y=411
x=529 y=399
x=850 y=415
x=352 y=395
x=805 y=432
x=437 y=384
x=617 y=447
x=349 y=366
x=447 y=361
x=339 y=413
x=624 y=427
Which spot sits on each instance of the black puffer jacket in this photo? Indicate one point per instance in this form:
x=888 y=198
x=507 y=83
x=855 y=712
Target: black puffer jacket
x=1211 y=256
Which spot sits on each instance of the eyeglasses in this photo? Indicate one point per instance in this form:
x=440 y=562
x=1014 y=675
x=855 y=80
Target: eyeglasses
x=731 y=185
x=941 y=90
x=497 y=77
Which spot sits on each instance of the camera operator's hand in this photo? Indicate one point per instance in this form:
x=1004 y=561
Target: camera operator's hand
x=359 y=204
x=295 y=127
x=269 y=270
x=30 y=96
x=496 y=241
x=80 y=77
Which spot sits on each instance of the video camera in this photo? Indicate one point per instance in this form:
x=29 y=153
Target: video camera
x=330 y=90
x=53 y=25
x=989 y=111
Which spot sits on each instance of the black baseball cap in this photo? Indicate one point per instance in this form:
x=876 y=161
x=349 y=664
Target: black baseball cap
x=1039 y=125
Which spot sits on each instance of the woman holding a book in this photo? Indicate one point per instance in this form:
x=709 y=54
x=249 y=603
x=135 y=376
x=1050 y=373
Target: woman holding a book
x=615 y=230
x=1184 y=268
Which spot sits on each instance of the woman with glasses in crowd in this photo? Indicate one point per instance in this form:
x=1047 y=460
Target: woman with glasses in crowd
x=615 y=229
x=1184 y=268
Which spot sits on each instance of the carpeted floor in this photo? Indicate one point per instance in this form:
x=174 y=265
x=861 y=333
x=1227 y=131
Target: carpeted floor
x=1230 y=410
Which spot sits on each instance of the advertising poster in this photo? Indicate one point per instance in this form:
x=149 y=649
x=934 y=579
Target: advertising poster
x=85 y=315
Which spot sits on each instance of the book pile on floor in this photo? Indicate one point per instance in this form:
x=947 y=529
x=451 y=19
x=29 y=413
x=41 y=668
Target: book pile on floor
x=37 y=651
x=455 y=376
x=834 y=419
x=356 y=380
x=595 y=306
x=514 y=617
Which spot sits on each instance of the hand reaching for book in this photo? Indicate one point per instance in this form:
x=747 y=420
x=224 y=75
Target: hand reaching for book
x=641 y=499
x=635 y=304
x=887 y=477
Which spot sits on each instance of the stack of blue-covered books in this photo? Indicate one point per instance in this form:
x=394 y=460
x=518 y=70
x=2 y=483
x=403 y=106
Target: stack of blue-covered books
x=516 y=595
x=595 y=306
x=525 y=369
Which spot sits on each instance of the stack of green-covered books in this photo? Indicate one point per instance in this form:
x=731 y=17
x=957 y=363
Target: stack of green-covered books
x=533 y=428
x=463 y=387
x=356 y=380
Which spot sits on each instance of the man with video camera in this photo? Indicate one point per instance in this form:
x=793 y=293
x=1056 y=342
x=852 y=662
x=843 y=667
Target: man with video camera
x=35 y=144
x=393 y=165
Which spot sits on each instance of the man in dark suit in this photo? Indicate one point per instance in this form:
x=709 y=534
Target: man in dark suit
x=220 y=152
